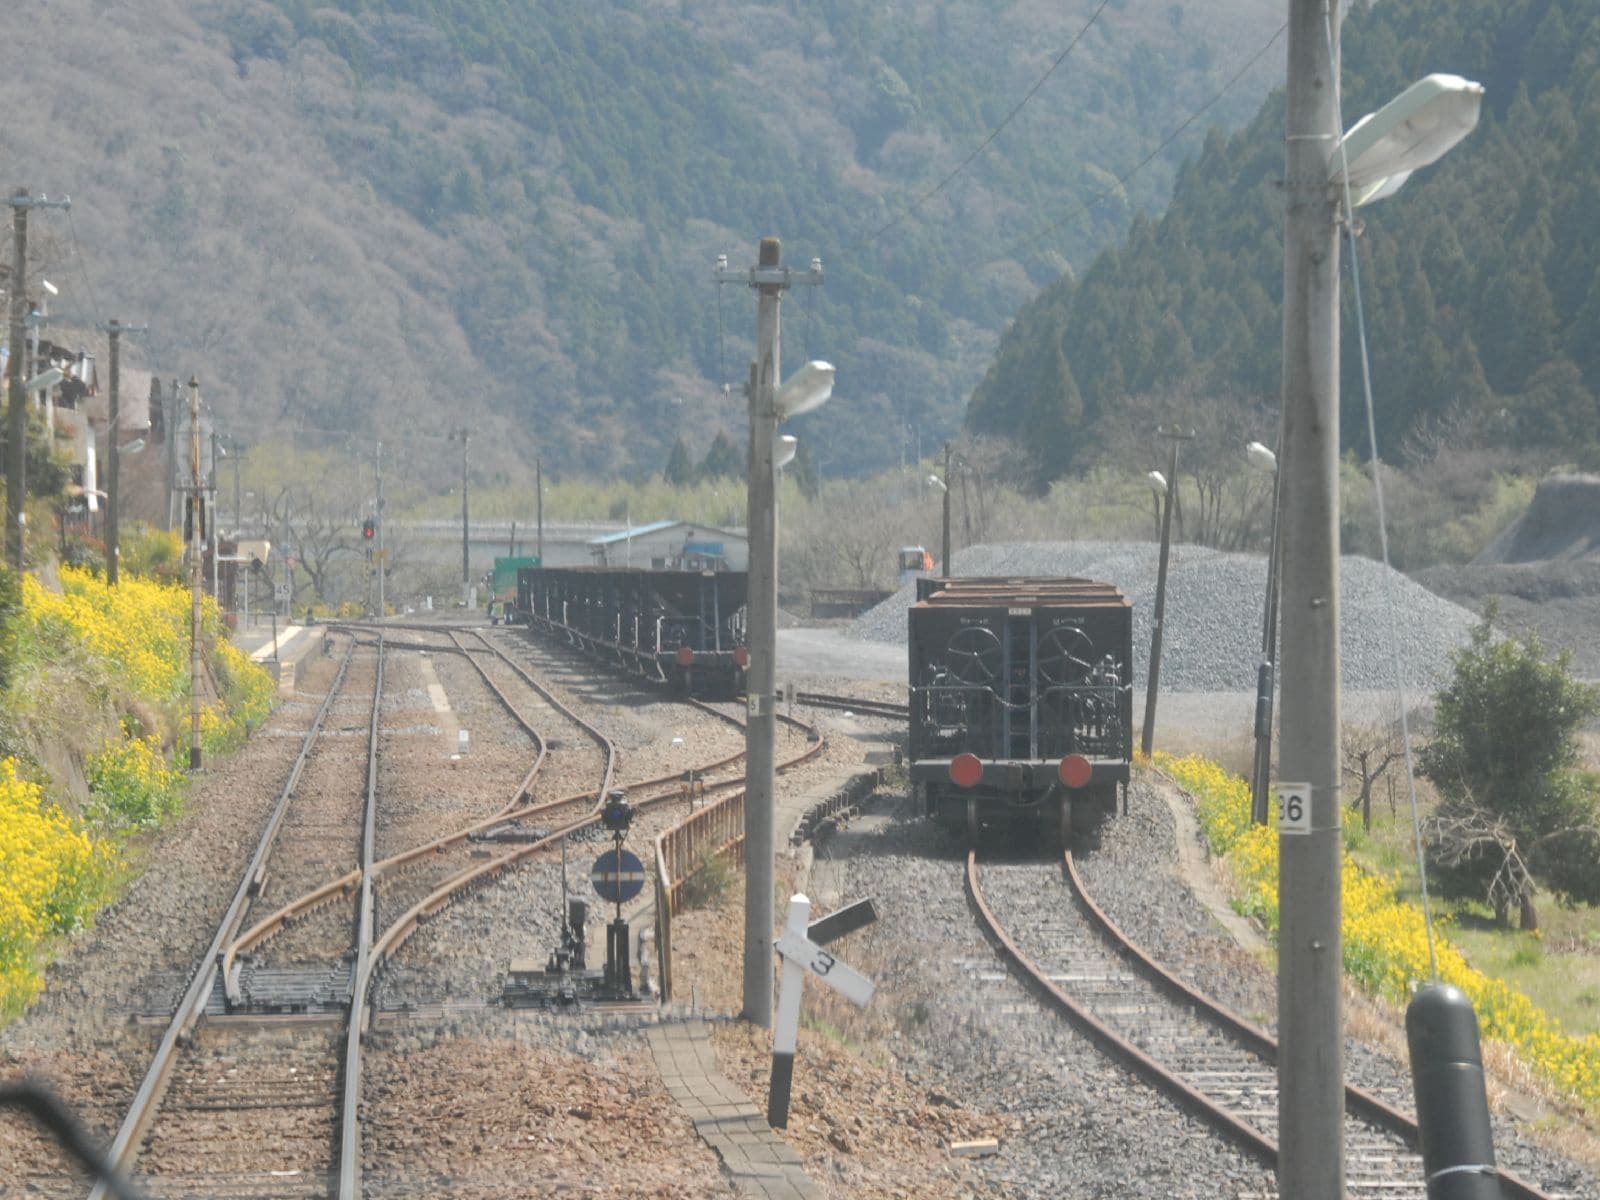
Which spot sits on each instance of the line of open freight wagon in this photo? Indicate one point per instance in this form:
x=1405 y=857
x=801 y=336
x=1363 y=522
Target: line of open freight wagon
x=1021 y=708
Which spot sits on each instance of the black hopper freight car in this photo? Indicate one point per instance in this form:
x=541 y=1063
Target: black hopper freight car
x=1021 y=701
x=682 y=628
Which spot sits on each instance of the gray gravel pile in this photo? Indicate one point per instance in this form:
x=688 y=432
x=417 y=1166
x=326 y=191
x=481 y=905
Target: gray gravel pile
x=1213 y=620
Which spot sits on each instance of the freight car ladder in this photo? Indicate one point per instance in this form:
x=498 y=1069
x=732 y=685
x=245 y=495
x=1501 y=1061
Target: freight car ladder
x=1019 y=712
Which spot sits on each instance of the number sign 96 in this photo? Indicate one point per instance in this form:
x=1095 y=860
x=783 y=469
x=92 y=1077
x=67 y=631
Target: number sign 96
x=1294 y=808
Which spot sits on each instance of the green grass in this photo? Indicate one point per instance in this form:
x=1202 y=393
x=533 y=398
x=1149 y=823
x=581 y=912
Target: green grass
x=1559 y=970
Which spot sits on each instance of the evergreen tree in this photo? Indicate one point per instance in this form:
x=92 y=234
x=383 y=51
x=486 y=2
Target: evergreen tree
x=723 y=460
x=1515 y=814
x=679 y=470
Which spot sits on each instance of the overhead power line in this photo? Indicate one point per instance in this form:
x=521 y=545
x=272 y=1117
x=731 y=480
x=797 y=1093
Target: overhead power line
x=1034 y=238
x=993 y=133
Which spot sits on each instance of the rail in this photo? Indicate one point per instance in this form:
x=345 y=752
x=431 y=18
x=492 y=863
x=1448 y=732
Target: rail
x=1359 y=1102
x=710 y=832
x=136 y=1123
x=1357 y=1099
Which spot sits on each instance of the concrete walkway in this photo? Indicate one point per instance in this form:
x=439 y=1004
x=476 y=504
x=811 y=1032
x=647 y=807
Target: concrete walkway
x=758 y=1160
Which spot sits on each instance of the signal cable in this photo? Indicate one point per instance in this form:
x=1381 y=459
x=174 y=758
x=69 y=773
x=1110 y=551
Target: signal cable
x=1122 y=179
x=993 y=133
x=1395 y=649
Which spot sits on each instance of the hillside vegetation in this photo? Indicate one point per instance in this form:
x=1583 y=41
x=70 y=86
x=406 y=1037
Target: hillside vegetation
x=365 y=216
x=1481 y=278
x=94 y=696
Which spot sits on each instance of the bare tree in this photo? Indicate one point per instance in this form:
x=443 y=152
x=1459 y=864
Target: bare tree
x=1227 y=505
x=1368 y=754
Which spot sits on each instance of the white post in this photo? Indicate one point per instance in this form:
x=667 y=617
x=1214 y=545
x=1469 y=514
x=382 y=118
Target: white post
x=786 y=1032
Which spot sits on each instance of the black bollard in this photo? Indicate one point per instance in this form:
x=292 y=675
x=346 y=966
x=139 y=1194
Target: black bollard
x=1452 y=1109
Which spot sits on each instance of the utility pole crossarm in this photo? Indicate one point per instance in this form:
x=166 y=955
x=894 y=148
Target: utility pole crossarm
x=762 y=276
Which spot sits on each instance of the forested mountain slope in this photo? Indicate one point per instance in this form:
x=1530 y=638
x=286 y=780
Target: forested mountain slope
x=1482 y=277
x=397 y=215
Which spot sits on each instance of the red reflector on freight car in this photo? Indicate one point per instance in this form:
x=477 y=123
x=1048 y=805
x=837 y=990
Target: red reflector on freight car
x=1076 y=770
x=966 y=770
x=741 y=656
x=685 y=656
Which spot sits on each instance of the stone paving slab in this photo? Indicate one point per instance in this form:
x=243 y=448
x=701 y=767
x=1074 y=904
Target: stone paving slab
x=759 y=1162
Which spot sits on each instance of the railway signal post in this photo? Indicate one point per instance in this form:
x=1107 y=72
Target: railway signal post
x=770 y=278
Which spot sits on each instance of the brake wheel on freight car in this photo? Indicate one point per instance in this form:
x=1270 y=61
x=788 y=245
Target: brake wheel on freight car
x=1066 y=655
x=975 y=655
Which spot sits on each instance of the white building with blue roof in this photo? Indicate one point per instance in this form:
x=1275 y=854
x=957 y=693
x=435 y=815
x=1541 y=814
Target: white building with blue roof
x=673 y=546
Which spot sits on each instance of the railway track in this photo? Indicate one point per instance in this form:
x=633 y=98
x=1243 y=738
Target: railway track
x=856 y=705
x=292 y=1091
x=1207 y=1059
x=284 y=1112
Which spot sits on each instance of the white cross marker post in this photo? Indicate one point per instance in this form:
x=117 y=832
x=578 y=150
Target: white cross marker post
x=802 y=956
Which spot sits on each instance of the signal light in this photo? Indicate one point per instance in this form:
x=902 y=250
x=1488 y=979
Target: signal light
x=368 y=529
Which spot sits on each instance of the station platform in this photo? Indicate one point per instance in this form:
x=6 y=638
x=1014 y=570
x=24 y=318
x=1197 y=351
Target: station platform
x=281 y=654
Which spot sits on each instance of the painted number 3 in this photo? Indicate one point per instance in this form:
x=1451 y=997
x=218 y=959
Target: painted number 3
x=823 y=962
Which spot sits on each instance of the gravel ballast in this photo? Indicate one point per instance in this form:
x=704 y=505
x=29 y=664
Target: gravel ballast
x=1212 y=640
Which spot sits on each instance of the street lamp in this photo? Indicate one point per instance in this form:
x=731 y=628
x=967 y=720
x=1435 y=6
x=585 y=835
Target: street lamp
x=1323 y=165
x=1162 y=487
x=1265 y=461
x=43 y=380
x=783 y=452
x=807 y=389
x=770 y=404
x=1417 y=127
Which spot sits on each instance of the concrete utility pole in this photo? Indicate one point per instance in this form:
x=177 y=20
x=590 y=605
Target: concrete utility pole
x=462 y=434
x=172 y=456
x=382 y=565
x=770 y=279
x=196 y=541
x=1266 y=678
x=1310 y=1007
x=17 y=414
x=944 y=547
x=238 y=494
x=538 y=487
x=215 y=531
x=114 y=451
x=1158 y=620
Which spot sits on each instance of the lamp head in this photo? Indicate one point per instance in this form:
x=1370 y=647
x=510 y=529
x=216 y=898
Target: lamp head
x=935 y=482
x=1259 y=457
x=1157 y=482
x=43 y=380
x=1416 y=128
x=807 y=389
x=784 y=449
